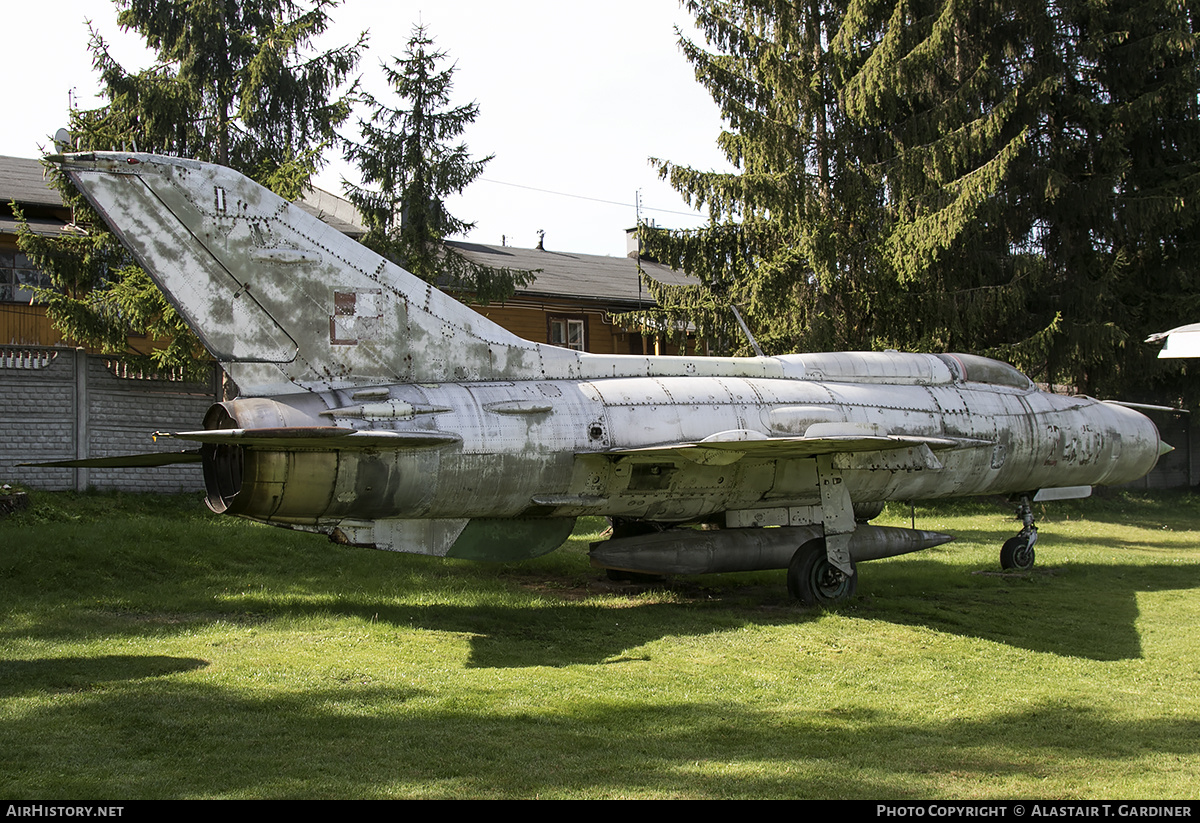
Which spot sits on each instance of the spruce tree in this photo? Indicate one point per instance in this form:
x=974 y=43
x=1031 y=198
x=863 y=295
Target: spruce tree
x=236 y=82
x=1121 y=210
x=409 y=165
x=791 y=236
x=1011 y=177
x=872 y=140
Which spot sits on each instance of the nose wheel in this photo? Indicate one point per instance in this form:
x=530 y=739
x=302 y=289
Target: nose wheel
x=1017 y=552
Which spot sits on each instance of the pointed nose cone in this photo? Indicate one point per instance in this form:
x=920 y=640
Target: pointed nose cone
x=1138 y=445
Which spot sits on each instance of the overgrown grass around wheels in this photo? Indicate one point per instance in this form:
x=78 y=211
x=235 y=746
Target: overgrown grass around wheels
x=150 y=649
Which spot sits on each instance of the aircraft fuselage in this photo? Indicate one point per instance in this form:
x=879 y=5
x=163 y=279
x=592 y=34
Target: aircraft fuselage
x=563 y=449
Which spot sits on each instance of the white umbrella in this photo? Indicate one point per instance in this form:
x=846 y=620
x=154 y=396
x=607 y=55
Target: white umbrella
x=1181 y=342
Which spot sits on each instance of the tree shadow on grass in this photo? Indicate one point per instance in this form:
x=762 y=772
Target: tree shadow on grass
x=1079 y=610
x=69 y=674
x=197 y=740
x=1075 y=610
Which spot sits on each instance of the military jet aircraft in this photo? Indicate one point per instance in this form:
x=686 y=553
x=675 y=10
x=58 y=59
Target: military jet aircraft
x=381 y=412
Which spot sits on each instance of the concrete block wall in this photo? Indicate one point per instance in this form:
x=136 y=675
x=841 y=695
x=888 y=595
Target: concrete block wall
x=63 y=404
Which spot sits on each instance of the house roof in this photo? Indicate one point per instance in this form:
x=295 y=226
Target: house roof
x=334 y=211
x=38 y=225
x=23 y=179
x=579 y=276
x=585 y=277
x=589 y=277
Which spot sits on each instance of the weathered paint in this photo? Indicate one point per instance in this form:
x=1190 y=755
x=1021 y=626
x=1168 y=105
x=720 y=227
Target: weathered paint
x=382 y=412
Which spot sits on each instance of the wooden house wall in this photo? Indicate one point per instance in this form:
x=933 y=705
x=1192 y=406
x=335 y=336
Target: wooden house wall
x=530 y=319
x=24 y=325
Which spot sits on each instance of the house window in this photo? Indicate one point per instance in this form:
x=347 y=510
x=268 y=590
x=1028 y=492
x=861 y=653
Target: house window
x=569 y=332
x=18 y=278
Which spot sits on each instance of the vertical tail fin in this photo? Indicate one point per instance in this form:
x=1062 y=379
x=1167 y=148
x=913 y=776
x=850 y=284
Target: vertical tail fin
x=281 y=299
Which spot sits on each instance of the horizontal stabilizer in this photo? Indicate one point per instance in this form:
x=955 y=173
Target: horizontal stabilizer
x=124 y=461
x=317 y=437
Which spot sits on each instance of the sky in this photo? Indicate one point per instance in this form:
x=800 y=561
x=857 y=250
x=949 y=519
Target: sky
x=574 y=99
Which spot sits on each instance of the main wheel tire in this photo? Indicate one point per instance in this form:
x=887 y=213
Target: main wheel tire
x=814 y=581
x=1017 y=554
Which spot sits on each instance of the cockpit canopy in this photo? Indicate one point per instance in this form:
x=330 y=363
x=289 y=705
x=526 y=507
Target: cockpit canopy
x=903 y=368
x=972 y=368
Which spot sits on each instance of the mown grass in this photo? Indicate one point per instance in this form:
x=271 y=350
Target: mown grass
x=149 y=649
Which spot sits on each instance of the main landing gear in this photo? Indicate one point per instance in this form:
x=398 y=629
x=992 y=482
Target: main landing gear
x=814 y=581
x=1017 y=552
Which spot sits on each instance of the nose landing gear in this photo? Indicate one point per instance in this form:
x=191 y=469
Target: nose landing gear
x=1017 y=552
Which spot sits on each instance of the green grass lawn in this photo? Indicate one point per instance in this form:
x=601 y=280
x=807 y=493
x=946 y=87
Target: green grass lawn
x=149 y=649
